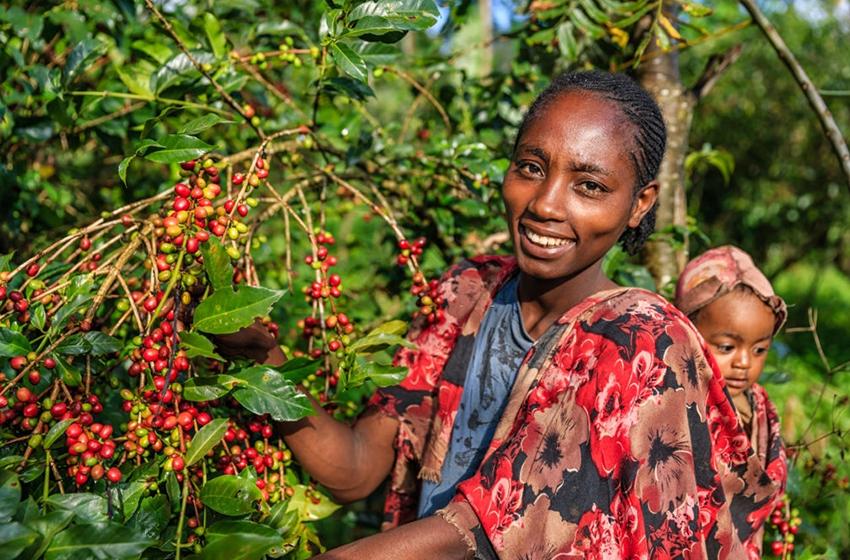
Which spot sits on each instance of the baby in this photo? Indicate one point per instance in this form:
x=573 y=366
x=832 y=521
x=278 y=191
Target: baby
x=734 y=307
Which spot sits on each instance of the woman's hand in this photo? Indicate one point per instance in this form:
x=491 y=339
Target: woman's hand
x=254 y=342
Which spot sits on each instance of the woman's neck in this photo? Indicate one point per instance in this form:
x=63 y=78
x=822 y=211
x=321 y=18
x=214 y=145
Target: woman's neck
x=542 y=302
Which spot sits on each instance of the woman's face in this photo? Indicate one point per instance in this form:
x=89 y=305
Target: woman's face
x=569 y=192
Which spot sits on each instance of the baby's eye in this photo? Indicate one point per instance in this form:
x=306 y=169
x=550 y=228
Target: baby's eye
x=760 y=350
x=724 y=348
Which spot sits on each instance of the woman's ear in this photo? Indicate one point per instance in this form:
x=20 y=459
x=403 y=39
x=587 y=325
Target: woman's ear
x=644 y=201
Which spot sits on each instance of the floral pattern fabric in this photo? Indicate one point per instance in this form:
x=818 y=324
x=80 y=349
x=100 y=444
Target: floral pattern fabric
x=619 y=439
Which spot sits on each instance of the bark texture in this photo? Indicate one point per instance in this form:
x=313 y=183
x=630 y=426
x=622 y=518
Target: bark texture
x=659 y=75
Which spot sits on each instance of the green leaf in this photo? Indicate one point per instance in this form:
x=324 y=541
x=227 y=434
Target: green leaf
x=202 y=123
x=376 y=341
x=377 y=53
x=238 y=540
x=122 y=168
x=74 y=345
x=77 y=62
x=349 y=88
x=226 y=312
x=217 y=264
x=349 y=61
x=71 y=376
x=178 y=68
x=128 y=495
x=231 y=495
x=297 y=369
x=14 y=538
x=138 y=84
x=39 y=317
x=403 y=14
x=391 y=327
x=197 y=345
x=282 y=518
x=56 y=431
x=382 y=375
x=88 y=508
x=306 y=509
x=153 y=516
x=100 y=540
x=200 y=389
x=264 y=390
x=10 y=495
x=207 y=437
x=216 y=38
x=178 y=148
x=376 y=28
x=13 y=343
x=101 y=343
x=46 y=526
x=73 y=304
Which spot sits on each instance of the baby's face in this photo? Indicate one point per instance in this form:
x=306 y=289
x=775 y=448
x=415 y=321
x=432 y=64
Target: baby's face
x=739 y=329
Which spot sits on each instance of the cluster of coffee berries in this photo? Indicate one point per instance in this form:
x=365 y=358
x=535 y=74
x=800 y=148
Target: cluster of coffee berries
x=430 y=302
x=89 y=444
x=408 y=249
x=784 y=523
x=17 y=302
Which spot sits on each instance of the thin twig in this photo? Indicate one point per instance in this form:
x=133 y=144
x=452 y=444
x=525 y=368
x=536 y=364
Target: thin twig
x=830 y=128
x=427 y=94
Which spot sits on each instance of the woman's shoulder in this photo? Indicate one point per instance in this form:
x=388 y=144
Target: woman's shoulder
x=635 y=305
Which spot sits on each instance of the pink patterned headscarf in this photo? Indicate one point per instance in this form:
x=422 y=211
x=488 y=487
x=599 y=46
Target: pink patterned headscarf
x=717 y=272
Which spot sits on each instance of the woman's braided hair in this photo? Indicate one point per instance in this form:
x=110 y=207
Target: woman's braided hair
x=640 y=109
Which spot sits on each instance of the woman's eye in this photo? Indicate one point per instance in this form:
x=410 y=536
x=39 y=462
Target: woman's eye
x=592 y=187
x=529 y=168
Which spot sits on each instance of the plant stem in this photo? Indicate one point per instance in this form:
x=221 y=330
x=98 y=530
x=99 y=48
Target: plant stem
x=150 y=98
x=182 y=517
x=830 y=128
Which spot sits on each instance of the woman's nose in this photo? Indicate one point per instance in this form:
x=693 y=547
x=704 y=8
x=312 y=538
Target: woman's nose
x=550 y=199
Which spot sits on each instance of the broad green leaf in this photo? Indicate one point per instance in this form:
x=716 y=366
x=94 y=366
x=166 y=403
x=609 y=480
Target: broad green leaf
x=376 y=28
x=206 y=438
x=99 y=540
x=306 y=509
x=349 y=87
x=177 y=69
x=101 y=343
x=70 y=375
x=74 y=345
x=152 y=516
x=56 y=431
x=404 y=14
x=74 y=303
x=264 y=390
x=197 y=345
x=297 y=369
x=88 y=508
x=382 y=375
x=377 y=53
x=216 y=38
x=349 y=61
x=226 y=312
x=217 y=264
x=282 y=518
x=39 y=317
x=391 y=327
x=128 y=495
x=202 y=123
x=77 y=62
x=200 y=389
x=231 y=495
x=178 y=148
x=10 y=495
x=14 y=538
x=140 y=85
x=13 y=343
x=46 y=526
x=238 y=540
x=377 y=341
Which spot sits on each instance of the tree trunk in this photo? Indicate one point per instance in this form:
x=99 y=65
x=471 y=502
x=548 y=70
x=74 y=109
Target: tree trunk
x=660 y=77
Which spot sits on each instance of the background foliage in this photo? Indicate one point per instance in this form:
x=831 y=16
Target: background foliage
x=414 y=109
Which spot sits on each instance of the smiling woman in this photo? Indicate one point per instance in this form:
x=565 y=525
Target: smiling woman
x=552 y=413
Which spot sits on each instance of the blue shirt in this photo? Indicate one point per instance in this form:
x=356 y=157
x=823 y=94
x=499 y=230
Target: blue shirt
x=500 y=346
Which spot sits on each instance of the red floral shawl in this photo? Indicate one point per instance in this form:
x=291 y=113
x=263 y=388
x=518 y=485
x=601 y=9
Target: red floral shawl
x=618 y=440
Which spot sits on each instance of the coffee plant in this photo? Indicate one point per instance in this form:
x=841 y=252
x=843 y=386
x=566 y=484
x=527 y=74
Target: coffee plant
x=132 y=423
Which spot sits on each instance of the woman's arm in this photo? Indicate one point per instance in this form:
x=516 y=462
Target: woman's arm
x=431 y=537
x=350 y=461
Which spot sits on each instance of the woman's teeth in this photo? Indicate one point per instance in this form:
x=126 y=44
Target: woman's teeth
x=543 y=240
